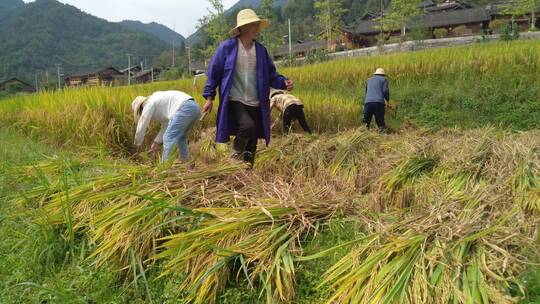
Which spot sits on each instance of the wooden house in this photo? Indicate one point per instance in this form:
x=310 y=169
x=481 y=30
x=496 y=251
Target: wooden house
x=15 y=85
x=103 y=77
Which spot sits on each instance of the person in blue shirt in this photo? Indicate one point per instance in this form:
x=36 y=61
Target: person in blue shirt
x=377 y=95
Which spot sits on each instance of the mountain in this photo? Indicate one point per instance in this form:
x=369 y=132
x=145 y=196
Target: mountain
x=10 y=4
x=255 y=4
x=49 y=33
x=158 y=30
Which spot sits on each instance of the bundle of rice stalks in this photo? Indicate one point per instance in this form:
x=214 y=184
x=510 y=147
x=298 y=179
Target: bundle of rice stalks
x=447 y=254
x=257 y=242
x=125 y=210
x=402 y=186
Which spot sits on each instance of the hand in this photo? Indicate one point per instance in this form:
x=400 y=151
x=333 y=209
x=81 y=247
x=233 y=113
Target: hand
x=155 y=148
x=136 y=148
x=272 y=126
x=289 y=84
x=207 y=108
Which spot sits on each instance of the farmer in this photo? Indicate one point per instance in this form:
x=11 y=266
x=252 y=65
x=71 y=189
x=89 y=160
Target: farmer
x=176 y=111
x=244 y=73
x=289 y=107
x=377 y=94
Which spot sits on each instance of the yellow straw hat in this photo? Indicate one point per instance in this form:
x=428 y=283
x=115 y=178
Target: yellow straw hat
x=379 y=71
x=248 y=16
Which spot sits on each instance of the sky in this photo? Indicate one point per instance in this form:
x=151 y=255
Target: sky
x=180 y=14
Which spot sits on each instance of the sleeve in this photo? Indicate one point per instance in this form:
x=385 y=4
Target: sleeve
x=386 y=91
x=272 y=103
x=159 y=137
x=365 y=87
x=143 y=123
x=277 y=81
x=214 y=73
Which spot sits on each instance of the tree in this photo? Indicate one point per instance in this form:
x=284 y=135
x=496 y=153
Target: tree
x=520 y=8
x=270 y=37
x=329 y=14
x=402 y=11
x=215 y=26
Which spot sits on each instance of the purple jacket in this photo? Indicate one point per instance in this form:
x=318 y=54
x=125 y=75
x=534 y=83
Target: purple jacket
x=220 y=74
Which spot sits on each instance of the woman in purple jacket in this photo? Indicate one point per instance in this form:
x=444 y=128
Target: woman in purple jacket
x=244 y=73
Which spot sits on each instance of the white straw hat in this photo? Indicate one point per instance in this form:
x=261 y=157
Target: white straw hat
x=245 y=17
x=379 y=71
x=136 y=106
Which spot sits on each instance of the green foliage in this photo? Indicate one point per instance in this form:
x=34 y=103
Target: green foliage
x=440 y=33
x=401 y=12
x=49 y=33
x=419 y=30
x=316 y=56
x=215 y=25
x=329 y=14
x=460 y=30
x=509 y=31
x=496 y=25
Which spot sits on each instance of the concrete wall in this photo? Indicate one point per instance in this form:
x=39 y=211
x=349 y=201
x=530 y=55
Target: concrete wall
x=410 y=46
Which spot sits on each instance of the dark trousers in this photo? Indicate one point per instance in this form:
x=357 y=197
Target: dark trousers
x=249 y=120
x=377 y=109
x=295 y=112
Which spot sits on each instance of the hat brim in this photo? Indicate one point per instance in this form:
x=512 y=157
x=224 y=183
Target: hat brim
x=264 y=23
x=137 y=108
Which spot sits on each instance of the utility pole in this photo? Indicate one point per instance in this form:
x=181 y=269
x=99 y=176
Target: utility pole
x=129 y=69
x=290 y=39
x=381 y=18
x=152 y=69
x=174 y=30
x=36 y=81
x=58 y=71
x=189 y=59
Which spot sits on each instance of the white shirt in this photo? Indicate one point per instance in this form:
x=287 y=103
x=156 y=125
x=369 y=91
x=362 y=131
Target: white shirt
x=160 y=107
x=244 y=86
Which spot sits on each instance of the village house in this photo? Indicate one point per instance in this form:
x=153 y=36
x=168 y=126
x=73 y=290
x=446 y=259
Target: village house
x=147 y=76
x=135 y=69
x=15 y=85
x=103 y=77
x=456 y=17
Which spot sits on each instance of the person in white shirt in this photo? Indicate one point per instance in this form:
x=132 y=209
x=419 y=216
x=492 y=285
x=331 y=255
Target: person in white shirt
x=177 y=113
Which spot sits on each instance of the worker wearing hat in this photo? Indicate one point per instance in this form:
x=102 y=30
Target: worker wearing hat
x=175 y=111
x=290 y=108
x=377 y=95
x=244 y=73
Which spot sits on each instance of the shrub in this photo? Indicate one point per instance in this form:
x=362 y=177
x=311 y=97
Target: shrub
x=460 y=30
x=509 y=32
x=315 y=56
x=496 y=25
x=440 y=33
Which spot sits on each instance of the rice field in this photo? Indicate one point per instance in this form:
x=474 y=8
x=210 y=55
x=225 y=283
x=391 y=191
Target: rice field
x=442 y=210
